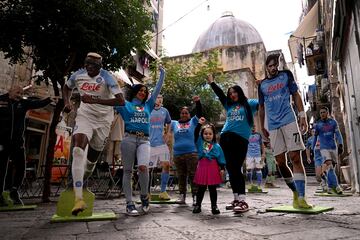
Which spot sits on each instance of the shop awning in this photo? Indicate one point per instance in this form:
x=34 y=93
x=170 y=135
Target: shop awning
x=152 y=53
x=306 y=29
x=122 y=75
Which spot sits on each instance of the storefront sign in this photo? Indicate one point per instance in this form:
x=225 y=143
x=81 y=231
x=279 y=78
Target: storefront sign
x=61 y=152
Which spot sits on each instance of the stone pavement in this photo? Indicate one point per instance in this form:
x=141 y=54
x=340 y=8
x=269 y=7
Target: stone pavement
x=178 y=222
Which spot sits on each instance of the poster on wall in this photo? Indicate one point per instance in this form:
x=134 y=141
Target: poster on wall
x=61 y=152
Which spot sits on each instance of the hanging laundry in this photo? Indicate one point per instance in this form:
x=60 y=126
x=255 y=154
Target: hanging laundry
x=300 y=54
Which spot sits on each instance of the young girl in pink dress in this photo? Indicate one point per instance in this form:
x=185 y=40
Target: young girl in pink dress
x=211 y=165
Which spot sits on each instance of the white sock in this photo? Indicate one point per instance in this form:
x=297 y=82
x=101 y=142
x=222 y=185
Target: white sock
x=241 y=197
x=77 y=170
x=236 y=196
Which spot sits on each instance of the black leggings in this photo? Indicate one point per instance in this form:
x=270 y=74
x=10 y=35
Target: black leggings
x=235 y=149
x=201 y=191
x=12 y=172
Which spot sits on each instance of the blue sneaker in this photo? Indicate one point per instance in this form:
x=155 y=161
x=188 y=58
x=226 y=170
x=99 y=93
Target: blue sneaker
x=145 y=203
x=131 y=209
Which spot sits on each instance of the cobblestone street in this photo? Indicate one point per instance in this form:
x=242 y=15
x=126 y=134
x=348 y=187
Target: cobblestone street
x=178 y=222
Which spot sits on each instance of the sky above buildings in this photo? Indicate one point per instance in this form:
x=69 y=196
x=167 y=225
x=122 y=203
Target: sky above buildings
x=274 y=20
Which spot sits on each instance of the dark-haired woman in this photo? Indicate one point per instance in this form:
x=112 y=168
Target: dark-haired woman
x=234 y=138
x=136 y=144
x=185 y=153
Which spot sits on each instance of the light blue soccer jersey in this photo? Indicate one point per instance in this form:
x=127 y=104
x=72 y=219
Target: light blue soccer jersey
x=327 y=131
x=254 y=146
x=316 y=148
x=136 y=114
x=275 y=94
x=158 y=118
x=184 y=136
x=236 y=120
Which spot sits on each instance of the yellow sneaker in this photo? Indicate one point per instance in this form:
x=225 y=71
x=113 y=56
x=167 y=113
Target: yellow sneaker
x=302 y=204
x=79 y=206
x=164 y=196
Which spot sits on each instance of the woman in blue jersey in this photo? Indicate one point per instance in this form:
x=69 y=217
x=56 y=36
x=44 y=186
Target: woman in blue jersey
x=234 y=138
x=136 y=144
x=185 y=153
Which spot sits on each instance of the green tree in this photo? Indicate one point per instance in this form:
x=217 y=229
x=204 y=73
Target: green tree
x=188 y=78
x=58 y=34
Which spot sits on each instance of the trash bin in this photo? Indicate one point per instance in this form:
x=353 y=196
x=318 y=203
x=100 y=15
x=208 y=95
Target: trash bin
x=346 y=173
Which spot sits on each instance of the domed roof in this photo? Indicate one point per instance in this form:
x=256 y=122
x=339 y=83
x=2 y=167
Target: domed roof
x=227 y=31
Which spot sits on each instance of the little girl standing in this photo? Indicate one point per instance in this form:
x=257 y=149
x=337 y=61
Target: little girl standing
x=211 y=165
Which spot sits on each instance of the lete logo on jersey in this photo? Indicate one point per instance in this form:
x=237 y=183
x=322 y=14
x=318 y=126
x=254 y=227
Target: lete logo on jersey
x=90 y=87
x=139 y=108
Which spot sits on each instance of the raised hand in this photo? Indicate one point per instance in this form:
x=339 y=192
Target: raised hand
x=196 y=98
x=210 y=79
x=202 y=120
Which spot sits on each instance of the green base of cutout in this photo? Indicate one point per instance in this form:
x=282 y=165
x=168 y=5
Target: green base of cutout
x=290 y=209
x=332 y=195
x=156 y=200
x=256 y=191
x=66 y=203
x=95 y=217
x=17 y=208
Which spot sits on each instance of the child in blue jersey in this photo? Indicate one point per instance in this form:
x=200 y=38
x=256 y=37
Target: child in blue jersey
x=255 y=157
x=315 y=154
x=159 y=151
x=274 y=97
x=136 y=144
x=211 y=166
x=327 y=130
x=234 y=138
x=185 y=152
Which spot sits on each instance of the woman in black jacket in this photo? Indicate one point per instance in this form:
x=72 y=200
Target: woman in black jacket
x=13 y=108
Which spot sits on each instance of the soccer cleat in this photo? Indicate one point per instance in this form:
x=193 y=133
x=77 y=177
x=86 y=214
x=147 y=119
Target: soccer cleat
x=324 y=186
x=7 y=199
x=335 y=190
x=3 y=203
x=302 y=204
x=145 y=203
x=295 y=200
x=181 y=199
x=15 y=196
x=131 y=210
x=164 y=196
x=79 y=206
x=268 y=185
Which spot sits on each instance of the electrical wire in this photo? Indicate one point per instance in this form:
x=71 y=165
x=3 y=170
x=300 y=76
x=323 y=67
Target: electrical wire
x=196 y=7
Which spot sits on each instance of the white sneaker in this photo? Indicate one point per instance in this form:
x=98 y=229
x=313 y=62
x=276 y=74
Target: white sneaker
x=131 y=210
x=181 y=199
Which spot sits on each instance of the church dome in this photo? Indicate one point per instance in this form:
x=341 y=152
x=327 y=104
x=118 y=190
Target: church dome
x=227 y=31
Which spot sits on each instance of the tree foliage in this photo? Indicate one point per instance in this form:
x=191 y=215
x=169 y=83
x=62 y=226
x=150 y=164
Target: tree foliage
x=57 y=35
x=186 y=79
x=60 y=33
